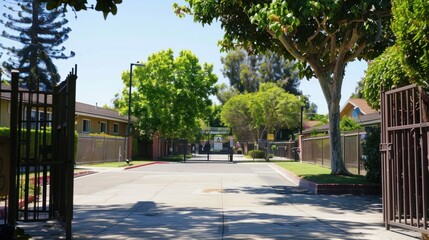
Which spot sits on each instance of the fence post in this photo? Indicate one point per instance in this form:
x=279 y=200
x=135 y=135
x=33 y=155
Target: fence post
x=358 y=151
x=323 y=155
x=344 y=149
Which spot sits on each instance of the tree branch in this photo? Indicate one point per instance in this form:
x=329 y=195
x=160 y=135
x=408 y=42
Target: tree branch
x=316 y=32
x=288 y=44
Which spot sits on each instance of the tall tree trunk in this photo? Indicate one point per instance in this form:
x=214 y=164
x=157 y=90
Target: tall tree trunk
x=337 y=161
x=331 y=88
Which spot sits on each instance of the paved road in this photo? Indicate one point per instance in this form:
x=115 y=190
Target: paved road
x=218 y=200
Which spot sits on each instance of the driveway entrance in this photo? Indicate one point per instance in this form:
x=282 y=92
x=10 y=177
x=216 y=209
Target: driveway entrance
x=218 y=201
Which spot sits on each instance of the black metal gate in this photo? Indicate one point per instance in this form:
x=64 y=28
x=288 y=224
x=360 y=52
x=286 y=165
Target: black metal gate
x=42 y=153
x=404 y=148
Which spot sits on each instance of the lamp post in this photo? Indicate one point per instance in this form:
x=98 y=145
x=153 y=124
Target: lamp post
x=129 y=136
x=208 y=144
x=300 y=128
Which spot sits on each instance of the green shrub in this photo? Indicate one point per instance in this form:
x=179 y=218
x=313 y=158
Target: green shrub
x=372 y=157
x=5 y=132
x=257 y=153
x=349 y=124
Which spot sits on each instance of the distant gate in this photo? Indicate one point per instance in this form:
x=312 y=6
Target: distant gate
x=42 y=152
x=404 y=150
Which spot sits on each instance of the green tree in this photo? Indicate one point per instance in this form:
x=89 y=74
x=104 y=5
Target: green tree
x=273 y=108
x=322 y=35
x=236 y=113
x=385 y=72
x=262 y=112
x=105 y=6
x=408 y=60
x=410 y=25
x=246 y=71
x=40 y=34
x=214 y=116
x=170 y=95
x=225 y=92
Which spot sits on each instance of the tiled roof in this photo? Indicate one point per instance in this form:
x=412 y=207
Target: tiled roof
x=95 y=111
x=81 y=108
x=361 y=104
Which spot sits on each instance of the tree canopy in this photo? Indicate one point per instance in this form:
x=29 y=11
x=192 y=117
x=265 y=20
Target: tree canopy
x=322 y=35
x=105 y=6
x=262 y=112
x=170 y=95
x=39 y=35
x=408 y=60
x=246 y=71
x=410 y=25
x=385 y=72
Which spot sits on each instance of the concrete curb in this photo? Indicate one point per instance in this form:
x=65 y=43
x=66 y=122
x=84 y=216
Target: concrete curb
x=356 y=189
x=143 y=164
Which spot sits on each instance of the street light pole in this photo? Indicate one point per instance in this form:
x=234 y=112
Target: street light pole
x=129 y=136
x=300 y=128
x=208 y=144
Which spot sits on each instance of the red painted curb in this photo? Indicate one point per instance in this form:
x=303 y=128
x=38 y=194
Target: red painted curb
x=143 y=164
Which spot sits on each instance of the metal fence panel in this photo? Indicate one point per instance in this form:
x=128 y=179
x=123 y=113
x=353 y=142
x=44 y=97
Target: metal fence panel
x=94 y=149
x=286 y=149
x=317 y=150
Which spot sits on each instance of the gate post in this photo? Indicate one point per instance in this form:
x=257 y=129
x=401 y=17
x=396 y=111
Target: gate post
x=13 y=198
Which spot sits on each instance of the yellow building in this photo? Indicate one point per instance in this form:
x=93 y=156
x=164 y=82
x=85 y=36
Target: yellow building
x=89 y=118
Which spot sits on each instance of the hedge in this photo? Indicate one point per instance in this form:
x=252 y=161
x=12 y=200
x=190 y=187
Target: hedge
x=257 y=153
x=5 y=132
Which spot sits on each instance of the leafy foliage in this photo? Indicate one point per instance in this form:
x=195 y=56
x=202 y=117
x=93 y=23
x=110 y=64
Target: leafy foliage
x=236 y=113
x=41 y=33
x=170 y=94
x=349 y=124
x=262 y=112
x=385 y=72
x=322 y=35
x=105 y=6
x=214 y=116
x=5 y=132
x=411 y=29
x=224 y=93
x=370 y=148
x=257 y=153
x=246 y=71
x=323 y=118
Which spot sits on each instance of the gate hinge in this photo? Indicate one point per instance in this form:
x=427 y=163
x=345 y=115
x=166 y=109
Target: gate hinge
x=384 y=147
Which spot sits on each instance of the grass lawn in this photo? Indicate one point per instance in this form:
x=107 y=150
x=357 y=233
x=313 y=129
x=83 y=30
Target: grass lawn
x=118 y=164
x=320 y=174
x=175 y=158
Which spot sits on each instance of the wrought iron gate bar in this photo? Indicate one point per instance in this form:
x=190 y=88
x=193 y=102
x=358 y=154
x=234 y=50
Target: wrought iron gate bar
x=404 y=150
x=42 y=153
x=411 y=126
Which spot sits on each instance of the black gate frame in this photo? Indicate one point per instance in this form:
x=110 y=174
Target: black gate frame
x=42 y=161
x=404 y=150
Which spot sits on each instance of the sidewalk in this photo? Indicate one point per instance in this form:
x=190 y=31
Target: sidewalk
x=215 y=200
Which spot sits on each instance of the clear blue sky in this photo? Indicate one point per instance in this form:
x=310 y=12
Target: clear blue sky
x=105 y=48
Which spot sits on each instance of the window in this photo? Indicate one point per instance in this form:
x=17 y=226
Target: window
x=103 y=127
x=86 y=125
x=38 y=118
x=115 y=128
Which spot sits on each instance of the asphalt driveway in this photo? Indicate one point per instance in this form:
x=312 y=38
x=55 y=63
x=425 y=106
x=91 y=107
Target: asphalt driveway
x=217 y=200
